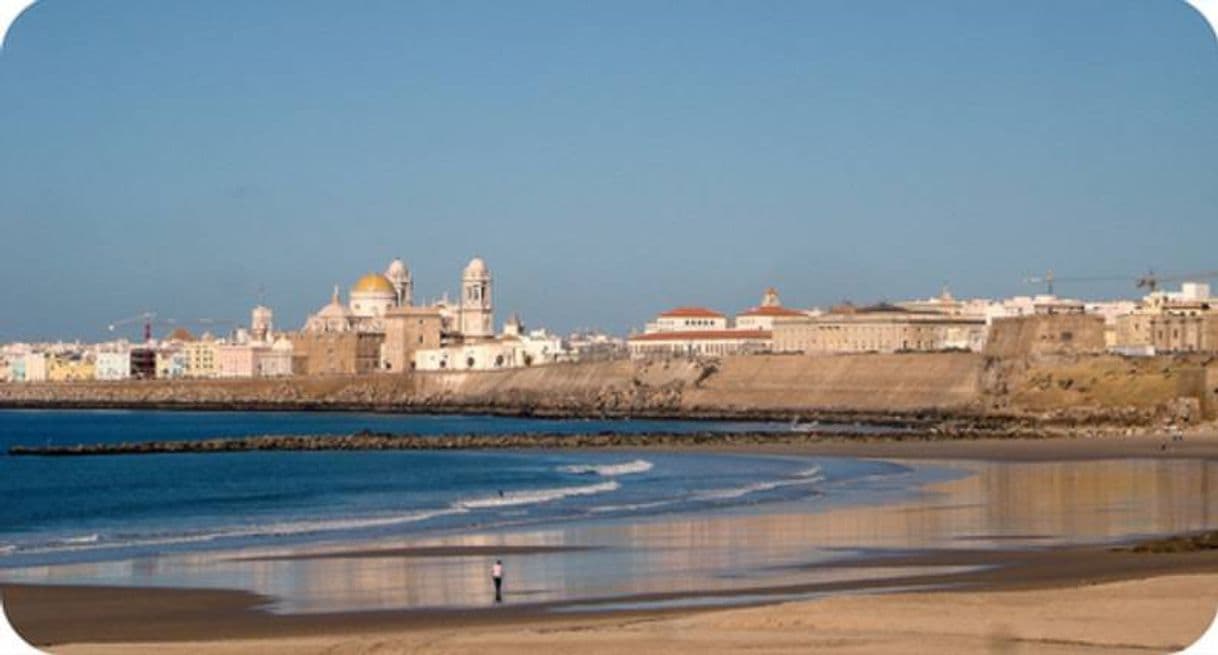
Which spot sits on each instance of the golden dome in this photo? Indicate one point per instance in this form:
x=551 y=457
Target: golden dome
x=372 y=282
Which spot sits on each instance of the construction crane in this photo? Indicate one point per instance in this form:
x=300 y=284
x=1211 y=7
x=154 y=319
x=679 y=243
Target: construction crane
x=147 y=318
x=1151 y=281
x=1048 y=279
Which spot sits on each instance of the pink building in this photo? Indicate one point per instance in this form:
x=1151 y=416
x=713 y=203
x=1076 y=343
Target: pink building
x=235 y=361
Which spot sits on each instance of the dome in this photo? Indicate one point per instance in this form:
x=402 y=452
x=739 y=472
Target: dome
x=476 y=268
x=372 y=283
x=397 y=269
x=334 y=310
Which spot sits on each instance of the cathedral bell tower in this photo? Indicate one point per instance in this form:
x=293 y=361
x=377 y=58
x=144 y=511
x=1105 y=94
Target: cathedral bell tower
x=403 y=287
x=476 y=316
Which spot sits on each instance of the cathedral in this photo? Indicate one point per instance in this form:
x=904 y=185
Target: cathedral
x=375 y=295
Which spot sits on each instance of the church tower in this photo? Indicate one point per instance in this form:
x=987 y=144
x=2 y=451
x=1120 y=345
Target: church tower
x=477 y=316
x=260 y=324
x=403 y=287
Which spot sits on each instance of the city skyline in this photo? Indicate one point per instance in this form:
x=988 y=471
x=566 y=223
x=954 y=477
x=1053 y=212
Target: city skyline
x=608 y=162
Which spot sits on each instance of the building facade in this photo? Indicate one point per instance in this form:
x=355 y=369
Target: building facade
x=1171 y=322
x=113 y=365
x=878 y=328
x=336 y=353
x=699 y=343
x=408 y=330
x=688 y=319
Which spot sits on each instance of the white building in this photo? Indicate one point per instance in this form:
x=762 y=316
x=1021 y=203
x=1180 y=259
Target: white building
x=516 y=348
x=689 y=319
x=276 y=360
x=113 y=364
x=35 y=367
x=595 y=346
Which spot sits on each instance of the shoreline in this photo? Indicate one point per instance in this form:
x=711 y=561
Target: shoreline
x=131 y=615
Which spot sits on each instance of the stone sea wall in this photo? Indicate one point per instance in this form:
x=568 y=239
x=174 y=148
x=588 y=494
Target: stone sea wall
x=915 y=387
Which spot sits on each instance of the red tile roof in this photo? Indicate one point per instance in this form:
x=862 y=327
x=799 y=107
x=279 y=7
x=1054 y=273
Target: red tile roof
x=771 y=311
x=703 y=335
x=691 y=312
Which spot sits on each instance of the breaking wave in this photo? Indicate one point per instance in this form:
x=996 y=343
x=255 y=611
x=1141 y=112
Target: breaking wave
x=535 y=496
x=609 y=470
x=809 y=476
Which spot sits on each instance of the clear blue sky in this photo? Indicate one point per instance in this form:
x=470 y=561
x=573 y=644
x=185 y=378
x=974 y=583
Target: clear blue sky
x=608 y=159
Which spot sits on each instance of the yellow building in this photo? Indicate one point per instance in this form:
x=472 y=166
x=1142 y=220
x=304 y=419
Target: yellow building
x=200 y=358
x=62 y=368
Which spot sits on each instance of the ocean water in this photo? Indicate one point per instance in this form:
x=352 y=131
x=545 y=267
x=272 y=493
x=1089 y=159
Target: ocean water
x=90 y=509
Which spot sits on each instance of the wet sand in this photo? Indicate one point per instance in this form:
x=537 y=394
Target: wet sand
x=418 y=552
x=1097 y=590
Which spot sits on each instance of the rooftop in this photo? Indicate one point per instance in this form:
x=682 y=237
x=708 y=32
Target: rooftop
x=691 y=312
x=703 y=335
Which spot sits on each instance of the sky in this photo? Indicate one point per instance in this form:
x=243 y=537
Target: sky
x=609 y=160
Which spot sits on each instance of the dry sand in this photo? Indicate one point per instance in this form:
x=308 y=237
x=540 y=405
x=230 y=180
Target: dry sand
x=1155 y=615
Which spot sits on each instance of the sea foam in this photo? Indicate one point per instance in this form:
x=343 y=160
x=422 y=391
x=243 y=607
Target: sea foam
x=609 y=470
x=809 y=476
x=535 y=496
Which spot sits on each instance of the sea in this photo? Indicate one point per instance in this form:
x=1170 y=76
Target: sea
x=66 y=510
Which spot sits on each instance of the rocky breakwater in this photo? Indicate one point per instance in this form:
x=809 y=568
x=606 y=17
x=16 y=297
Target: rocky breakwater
x=385 y=441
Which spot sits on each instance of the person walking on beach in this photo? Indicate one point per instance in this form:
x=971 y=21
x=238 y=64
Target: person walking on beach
x=497 y=576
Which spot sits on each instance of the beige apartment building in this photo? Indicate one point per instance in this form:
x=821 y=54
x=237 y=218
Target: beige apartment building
x=408 y=330
x=879 y=328
x=1168 y=332
x=336 y=353
x=1184 y=321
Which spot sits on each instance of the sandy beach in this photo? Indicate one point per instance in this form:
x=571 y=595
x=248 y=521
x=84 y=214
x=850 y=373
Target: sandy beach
x=1024 y=598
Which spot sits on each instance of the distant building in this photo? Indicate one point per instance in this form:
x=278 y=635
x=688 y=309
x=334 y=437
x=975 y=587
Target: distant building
x=200 y=358
x=16 y=369
x=143 y=363
x=74 y=367
x=275 y=360
x=769 y=312
x=336 y=353
x=408 y=330
x=881 y=328
x=699 y=343
x=235 y=360
x=382 y=305
x=370 y=298
x=515 y=348
x=596 y=346
x=171 y=363
x=113 y=364
x=701 y=332
x=35 y=367
x=687 y=319
x=1170 y=322
x=1046 y=334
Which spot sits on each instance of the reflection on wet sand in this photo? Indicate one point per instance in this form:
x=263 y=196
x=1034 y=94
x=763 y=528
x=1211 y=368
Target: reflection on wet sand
x=1001 y=505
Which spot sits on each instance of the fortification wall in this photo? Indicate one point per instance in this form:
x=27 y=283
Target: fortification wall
x=1062 y=388
x=1051 y=334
